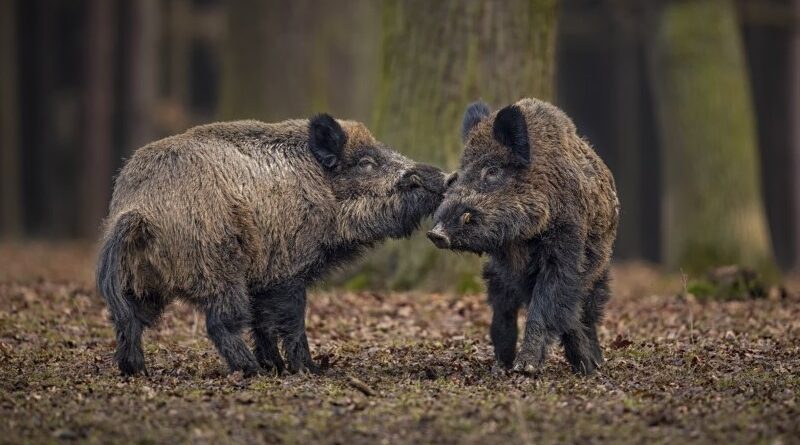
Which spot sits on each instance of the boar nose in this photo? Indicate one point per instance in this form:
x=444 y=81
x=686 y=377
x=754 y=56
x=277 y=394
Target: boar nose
x=439 y=236
x=411 y=179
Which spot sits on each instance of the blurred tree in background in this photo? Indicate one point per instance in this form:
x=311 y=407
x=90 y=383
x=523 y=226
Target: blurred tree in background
x=712 y=201
x=437 y=57
x=292 y=59
x=10 y=168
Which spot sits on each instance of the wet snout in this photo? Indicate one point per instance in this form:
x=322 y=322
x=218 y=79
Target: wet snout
x=439 y=237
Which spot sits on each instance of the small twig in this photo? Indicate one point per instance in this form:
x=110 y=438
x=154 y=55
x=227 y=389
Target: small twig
x=361 y=386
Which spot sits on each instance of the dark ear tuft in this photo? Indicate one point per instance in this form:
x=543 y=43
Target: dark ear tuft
x=326 y=140
x=511 y=130
x=476 y=112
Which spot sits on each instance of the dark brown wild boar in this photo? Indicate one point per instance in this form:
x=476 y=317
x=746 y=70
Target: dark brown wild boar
x=239 y=218
x=534 y=196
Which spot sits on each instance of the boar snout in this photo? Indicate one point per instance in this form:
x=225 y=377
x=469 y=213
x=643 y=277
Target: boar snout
x=439 y=237
x=428 y=177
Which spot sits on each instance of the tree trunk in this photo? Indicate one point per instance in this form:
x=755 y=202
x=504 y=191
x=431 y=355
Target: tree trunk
x=143 y=80
x=245 y=67
x=292 y=59
x=437 y=57
x=794 y=124
x=628 y=122
x=713 y=210
x=98 y=115
x=10 y=163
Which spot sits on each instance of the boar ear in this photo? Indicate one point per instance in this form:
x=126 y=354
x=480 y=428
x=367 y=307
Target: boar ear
x=326 y=140
x=476 y=112
x=511 y=130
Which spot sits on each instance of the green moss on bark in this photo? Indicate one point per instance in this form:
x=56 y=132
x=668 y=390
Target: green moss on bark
x=713 y=209
x=436 y=58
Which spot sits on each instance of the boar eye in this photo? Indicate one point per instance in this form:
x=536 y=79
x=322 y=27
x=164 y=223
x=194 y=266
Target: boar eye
x=367 y=162
x=490 y=173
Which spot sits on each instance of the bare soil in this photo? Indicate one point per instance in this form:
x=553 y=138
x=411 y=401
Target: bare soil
x=400 y=368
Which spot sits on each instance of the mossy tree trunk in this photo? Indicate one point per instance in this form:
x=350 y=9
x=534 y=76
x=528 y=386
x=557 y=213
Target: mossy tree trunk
x=436 y=58
x=713 y=211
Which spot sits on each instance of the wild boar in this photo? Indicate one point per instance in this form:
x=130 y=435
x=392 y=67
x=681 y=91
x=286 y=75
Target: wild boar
x=239 y=218
x=537 y=199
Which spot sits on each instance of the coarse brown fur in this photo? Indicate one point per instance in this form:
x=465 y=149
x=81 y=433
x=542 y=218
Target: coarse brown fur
x=534 y=195
x=238 y=218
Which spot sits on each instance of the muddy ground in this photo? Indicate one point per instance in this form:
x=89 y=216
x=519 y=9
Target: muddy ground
x=401 y=368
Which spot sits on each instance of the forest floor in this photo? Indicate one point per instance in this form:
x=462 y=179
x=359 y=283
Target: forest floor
x=401 y=368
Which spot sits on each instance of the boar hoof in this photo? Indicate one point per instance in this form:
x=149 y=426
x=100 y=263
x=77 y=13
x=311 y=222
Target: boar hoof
x=309 y=368
x=499 y=369
x=526 y=366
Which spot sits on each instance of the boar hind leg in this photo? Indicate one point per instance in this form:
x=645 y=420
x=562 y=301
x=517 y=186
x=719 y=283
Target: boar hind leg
x=226 y=316
x=131 y=315
x=593 y=313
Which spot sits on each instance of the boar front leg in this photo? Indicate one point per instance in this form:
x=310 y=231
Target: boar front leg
x=226 y=316
x=265 y=334
x=289 y=300
x=555 y=307
x=505 y=307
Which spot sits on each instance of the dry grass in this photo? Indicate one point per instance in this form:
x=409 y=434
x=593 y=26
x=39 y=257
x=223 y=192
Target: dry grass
x=403 y=368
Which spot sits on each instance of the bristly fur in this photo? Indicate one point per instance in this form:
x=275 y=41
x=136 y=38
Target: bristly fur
x=548 y=227
x=238 y=218
x=476 y=112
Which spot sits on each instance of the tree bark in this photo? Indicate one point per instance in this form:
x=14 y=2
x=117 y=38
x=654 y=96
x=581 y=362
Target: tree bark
x=10 y=163
x=628 y=122
x=292 y=59
x=713 y=209
x=245 y=67
x=794 y=125
x=143 y=80
x=98 y=111
x=437 y=57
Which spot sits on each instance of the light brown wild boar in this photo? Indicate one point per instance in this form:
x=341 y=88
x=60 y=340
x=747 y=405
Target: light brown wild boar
x=239 y=218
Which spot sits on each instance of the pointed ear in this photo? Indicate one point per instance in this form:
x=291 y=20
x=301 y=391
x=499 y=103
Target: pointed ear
x=476 y=112
x=326 y=140
x=511 y=130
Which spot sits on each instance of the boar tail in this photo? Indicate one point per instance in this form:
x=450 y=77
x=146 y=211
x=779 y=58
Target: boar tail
x=128 y=233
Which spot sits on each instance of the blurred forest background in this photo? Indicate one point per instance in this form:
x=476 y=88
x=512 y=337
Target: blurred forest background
x=694 y=105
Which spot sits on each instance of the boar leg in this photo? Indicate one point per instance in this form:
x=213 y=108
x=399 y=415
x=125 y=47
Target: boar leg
x=265 y=333
x=226 y=316
x=555 y=306
x=505 y=307
x=292 y=328
x=129 y=322
x=593 y=313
